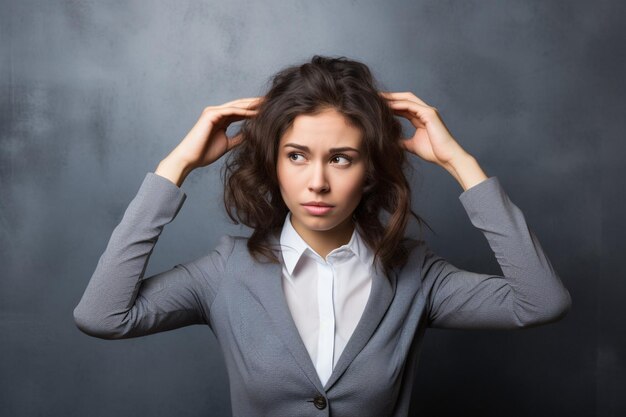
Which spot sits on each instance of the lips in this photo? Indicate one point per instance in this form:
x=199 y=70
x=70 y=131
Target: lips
x=317 y=204
x=317 y=210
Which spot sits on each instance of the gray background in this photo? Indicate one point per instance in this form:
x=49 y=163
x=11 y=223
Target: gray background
x=95 y=94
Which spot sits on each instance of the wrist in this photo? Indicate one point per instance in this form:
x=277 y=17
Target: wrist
x=460 y=159
x=466 y=170
x=173 y=169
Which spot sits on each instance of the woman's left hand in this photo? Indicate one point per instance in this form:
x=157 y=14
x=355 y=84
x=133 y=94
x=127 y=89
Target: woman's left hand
x=432 y=141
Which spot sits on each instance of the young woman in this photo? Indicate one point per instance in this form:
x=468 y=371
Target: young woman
x=322 y=310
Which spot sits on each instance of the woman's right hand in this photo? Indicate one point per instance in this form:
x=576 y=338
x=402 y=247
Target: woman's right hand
x=206 y=142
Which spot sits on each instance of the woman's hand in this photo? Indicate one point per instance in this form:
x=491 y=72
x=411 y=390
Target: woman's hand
x=206 y=142
x=432 y=141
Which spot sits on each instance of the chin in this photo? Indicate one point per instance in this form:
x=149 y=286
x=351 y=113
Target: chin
x=320 y=223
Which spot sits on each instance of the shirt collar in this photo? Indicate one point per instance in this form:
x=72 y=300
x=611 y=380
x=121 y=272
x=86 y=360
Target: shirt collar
x=293 y=247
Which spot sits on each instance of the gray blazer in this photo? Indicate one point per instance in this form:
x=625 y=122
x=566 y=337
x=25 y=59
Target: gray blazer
x=242 y=302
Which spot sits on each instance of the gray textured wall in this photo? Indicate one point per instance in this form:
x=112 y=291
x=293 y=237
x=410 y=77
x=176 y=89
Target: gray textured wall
x=94 y=94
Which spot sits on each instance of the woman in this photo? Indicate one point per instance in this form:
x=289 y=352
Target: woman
x=323 y=308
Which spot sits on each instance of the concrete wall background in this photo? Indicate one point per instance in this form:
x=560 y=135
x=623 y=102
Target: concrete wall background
x=95 y=94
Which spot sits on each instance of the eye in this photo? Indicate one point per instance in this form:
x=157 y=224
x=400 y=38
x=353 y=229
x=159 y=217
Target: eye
x=293 y=154
x=344 y=157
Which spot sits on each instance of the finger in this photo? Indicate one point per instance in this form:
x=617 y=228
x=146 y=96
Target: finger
x=234 y=112
x=234 y=141
x=416 y=121
x=404 y=96
x=242 y=100
x=227 y=115
x=420 y=110
x=246 y=102
x=254 y=103
x=403 y=142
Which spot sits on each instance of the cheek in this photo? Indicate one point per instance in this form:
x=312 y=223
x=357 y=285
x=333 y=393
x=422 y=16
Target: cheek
x=354 y=187
x=281 y=175
x=287 y=184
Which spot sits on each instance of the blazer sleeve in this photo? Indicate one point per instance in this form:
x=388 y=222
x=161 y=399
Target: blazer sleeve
x=529 y=294
x=119 y=302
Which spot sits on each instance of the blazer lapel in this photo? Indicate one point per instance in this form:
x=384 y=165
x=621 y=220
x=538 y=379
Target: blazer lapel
x=271 y=295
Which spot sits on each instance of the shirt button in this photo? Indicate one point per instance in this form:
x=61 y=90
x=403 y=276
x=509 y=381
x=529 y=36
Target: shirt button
x=320 y=402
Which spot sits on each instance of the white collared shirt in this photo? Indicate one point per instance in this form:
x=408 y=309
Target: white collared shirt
x=326 y=297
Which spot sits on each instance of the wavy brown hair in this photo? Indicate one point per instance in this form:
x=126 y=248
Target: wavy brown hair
x=251 y=186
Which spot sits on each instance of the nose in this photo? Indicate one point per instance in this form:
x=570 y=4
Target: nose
x=318 y=182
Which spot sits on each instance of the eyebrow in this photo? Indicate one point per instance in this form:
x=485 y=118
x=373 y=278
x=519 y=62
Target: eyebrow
x=332 y=150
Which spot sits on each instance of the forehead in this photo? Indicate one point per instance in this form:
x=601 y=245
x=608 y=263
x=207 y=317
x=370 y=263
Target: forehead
x=326 y=128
